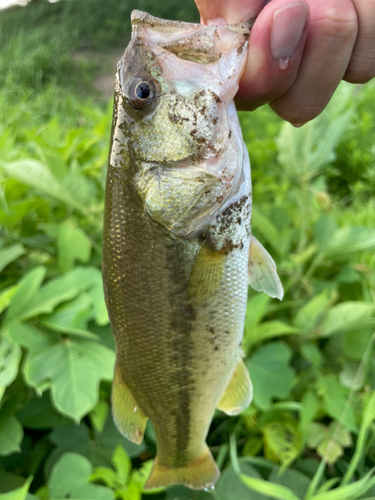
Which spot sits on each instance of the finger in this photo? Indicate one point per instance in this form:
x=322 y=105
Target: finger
x=331 y=38
x=362 y=63
x=275 y=50
x=233 y=11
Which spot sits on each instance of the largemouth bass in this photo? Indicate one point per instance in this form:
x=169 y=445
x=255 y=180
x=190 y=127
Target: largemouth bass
x=177 y=241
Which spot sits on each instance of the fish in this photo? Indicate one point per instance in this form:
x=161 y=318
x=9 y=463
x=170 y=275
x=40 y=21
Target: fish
x=178 y=252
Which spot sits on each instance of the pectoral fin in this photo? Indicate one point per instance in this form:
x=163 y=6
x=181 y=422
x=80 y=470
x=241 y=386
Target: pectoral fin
x=207 y=273
x=262 y=274
x=239 y=391
x=128 y=417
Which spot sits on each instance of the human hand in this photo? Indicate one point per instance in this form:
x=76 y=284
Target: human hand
x=300 y=51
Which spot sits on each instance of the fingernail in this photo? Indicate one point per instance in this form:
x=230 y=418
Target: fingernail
x=286 y=32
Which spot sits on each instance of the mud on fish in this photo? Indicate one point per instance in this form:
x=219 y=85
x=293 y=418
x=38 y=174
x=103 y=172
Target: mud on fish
x=178 y=248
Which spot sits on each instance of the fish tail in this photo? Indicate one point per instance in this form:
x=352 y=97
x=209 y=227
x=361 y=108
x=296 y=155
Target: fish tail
x=199 y=474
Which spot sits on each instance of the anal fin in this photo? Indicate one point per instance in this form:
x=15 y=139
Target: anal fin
x=238 y=393
x=262 y=274
x=128 y=417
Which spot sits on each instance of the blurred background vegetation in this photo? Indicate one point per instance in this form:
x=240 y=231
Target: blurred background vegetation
x=309 y=433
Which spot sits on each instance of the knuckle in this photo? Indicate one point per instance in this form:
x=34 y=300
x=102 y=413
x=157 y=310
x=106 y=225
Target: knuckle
x=340 y=22
x=360 y=75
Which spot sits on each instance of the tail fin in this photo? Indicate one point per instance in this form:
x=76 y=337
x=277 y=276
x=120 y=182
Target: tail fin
x=197 y=475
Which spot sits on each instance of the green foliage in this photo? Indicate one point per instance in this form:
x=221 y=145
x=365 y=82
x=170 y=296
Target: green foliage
x=309 y=433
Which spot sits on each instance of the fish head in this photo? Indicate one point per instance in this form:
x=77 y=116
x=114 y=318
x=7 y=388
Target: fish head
x=175 y=124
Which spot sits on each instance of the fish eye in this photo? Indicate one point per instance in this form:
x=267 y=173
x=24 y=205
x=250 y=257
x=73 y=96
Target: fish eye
x=141 y=92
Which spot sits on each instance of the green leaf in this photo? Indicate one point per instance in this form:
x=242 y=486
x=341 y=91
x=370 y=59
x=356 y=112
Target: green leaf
x=230 y=486
x=312 y=312
x=262 y=225
x=70 y=479
x=106 y=475
x=335 y=399
x=310 y=407
x=347 y=240
x=324 y=229
x=271 y=489
x=122 y=464
x=72 y=317
x=349 y=492
x=73 y=244
x=282 y=441
x=36 y=174
x=272 y=329
x=6 y=297
x=270 y=373
x=330 y=450
x=98 y=447
x=11 y=432
x=10 y=355
x=312 y=354
x=8 y=255
x=316 y=434
x=75 y=369
x=292 y=479
x=19 y=493
x=38 y=413
x=347 y=316
x=53 y=293
x=27 y=288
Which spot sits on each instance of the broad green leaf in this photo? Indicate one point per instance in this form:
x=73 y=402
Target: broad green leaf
x=19 y=493
x=11 y=433
x=335 y=398
x=355 y=342
x=230 y=486
x=98 y=447
x=316 y=434
x=72 y=317
x=292 y=479
x=312 y=354
x=310 y=407
x=313 y=311
x=10 y=355
x=38 y=413
x=347 y=240
x=122 y=464
x=6 y=297
x=263 y=225
x=36 y=174
x=74 y=369
x=271 y=489
x=325 y=227
x=96 y=295
x=70 y=479
x=51 y=294
x=352 y=375
x=347 y=316
x=27 y=288
x=272 y=329
x=270 y=373
x=282 y=442
x=8 y=255
x=105 y=475
x=73 y=244
x=330 y=450
x=99 y=415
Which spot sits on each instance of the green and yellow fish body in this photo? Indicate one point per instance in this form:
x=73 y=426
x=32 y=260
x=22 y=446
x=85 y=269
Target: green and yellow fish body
x=177 y=241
